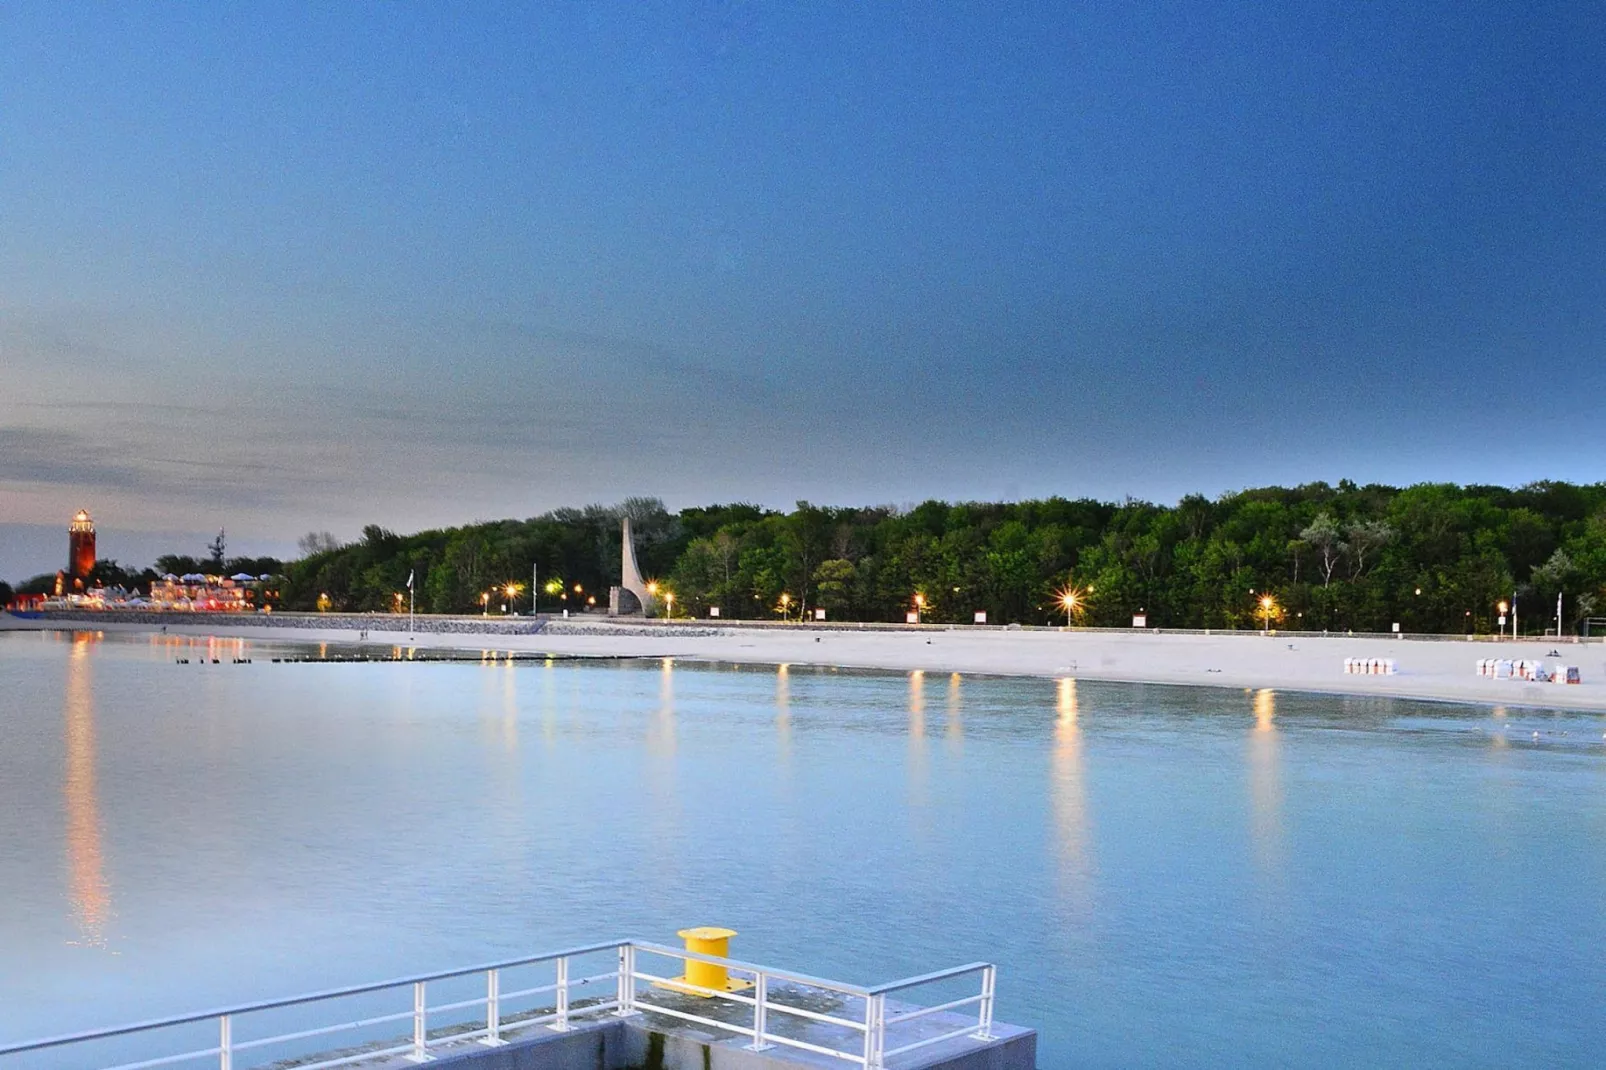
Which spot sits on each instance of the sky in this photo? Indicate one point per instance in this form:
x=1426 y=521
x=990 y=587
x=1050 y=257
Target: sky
x=277 y=268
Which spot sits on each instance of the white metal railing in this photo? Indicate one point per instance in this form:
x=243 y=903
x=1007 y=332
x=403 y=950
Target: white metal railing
x=859 y=1038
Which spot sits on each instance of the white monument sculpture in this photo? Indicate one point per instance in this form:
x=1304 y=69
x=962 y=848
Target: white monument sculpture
x=630 y=598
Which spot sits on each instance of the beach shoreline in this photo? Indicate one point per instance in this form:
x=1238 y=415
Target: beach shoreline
x=1442 y=671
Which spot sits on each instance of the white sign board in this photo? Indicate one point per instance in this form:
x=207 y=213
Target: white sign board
x=713 y=611
x=1140 y=620
x=819 y=614
x=981 y=616
x=911 y=618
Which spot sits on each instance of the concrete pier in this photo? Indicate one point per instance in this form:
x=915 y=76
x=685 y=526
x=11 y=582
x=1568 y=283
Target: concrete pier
x=651 y=1042
x=623 y=1017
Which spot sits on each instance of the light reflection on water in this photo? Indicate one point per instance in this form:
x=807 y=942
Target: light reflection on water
x=1073 y=839
x=90 y=896
x=1264 y=788
x=1165 y=875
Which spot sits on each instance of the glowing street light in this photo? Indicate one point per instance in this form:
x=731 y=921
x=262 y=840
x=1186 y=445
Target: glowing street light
x=920 y=605
x=786 y=605
x=669 y=603
x=485 y=604
x=1072 y=602
x=1267 y=604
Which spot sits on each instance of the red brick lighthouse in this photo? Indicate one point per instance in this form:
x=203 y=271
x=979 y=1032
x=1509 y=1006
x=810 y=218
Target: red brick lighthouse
x=80 y=546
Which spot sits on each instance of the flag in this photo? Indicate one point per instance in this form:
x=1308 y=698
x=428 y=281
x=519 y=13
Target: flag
x=409 y=579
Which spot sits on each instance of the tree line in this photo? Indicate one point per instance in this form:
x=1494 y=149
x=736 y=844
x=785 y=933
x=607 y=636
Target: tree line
x=1431 y=558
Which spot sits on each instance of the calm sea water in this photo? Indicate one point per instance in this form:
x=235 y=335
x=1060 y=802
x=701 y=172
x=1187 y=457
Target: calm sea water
x=1165 y=876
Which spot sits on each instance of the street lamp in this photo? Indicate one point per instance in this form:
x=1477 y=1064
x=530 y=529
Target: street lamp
x=669 y=603
x=1071 y=602
x=1267 y=604
x=786 y=606
x=485 y=604
x=920 y=605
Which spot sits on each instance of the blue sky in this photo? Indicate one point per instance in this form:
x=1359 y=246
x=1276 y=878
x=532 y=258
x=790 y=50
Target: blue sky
x=277 y=268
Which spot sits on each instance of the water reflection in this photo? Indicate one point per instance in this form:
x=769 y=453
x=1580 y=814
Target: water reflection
x=783 y=709
x=955 y=723
x=663 y=788
x=917 y=704
x=1498 y=738
x=1072 y=831
x=919 y=774
x=89 y=893
x=549 y=702
x=1265 y=783
x=510 y=710
x=661 y=734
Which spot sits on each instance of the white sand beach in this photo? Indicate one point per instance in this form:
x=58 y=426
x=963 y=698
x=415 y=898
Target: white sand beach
x=1427 y=669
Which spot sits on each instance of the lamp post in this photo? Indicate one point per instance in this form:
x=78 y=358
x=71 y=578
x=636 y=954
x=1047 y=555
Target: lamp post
x=1071 y=602
x=920 y=606
x=1266 y=605
x=669 y=604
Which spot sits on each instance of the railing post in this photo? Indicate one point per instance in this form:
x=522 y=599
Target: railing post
x=420 y=1052
x=562 y=1024
x=761 y=991
x=984 y=1012
x=225 y=1042
x=493 y=1009
x=627 y=981
x=875 y=1031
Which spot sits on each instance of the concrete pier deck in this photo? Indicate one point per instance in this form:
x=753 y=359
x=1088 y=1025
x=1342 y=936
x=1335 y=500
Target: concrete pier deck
x=654 y=1042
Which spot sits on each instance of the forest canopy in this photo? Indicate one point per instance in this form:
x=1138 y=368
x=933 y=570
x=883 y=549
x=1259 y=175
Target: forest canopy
x=1432 y=558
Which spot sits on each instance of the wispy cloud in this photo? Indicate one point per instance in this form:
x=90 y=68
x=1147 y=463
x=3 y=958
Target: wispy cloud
x=42 y=455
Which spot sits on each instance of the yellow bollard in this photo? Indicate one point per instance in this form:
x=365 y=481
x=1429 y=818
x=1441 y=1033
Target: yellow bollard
x=707 y=940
